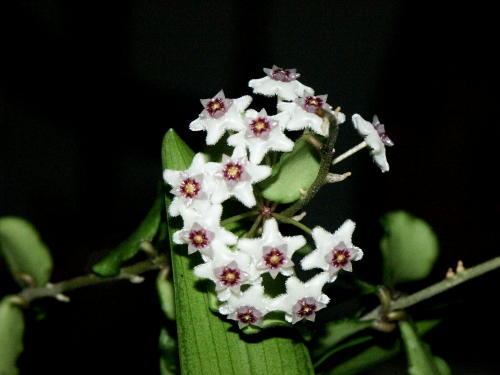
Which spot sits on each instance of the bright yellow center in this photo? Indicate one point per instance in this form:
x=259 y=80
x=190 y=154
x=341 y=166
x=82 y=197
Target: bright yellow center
x=190 y=188
x=198 y=239
x=215 y=106
x=260 y=126
x=340 y=258
x=233 y=171
x=230 y=276
x=274 y=259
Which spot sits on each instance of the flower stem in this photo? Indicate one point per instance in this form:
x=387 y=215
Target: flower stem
x=55 y=290
x=348 y=153
x=288 y=220
x=254 y=227
x=239 y=217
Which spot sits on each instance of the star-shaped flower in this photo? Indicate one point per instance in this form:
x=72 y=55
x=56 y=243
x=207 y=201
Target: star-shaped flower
x=229 y=270
x=272 y=252
x=306 y=113
x=280 y=82
x=302 y=300
x=333 y=251
x=234 y=177
x=262 y=133
x=202 y=231
x=192 y=187
x=247 y=308
x=220 y=114
x=376 y=138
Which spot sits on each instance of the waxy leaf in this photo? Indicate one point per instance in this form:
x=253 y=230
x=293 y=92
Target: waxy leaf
x=336 y=332
x=165 y=290
x=11 y=336
x=110 y=265
x=25 y=253
x=294 y=172
x=409 y=248
x=420 y=360
x=207 y=343
x=169 y=361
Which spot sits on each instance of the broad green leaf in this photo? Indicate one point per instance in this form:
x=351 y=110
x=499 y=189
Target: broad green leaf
x=207 y=343
x=335 y=332
x=409 y=248
x=420 y=361
x=24 y=251
x=166 y=293
x=294 y=172
x=169 y=360
x=11 y=336
x=442 y=366
x=111 y=263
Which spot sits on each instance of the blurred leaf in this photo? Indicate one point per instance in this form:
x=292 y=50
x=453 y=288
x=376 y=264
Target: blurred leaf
x=207 y=343
x=111 y=263
x=409 y=248
x=11 y=336
x=169 y=360
x=420 y=361
x=295 y=171
x=335 y=332
x=166 y=294
x=442 y=366
x=24 y=251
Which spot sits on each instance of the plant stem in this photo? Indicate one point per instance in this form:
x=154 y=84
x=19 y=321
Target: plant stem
x=326 y=154
x=348 y=153
x=239 y=217
x=254 y=227
x=288 y=220
x=54 y=290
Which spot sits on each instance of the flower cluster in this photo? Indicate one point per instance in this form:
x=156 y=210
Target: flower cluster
x=237 y=265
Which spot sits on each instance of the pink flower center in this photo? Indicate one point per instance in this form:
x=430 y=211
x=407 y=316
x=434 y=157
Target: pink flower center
x=274 y=258
x=198 y=238
x=190 y=188
x=306 y=308
x=232 y=171
x=216 y=107
x=246 y=315
x=340 y=257
x=313 y=103
x=230 y=276
x=380 y=128
x=259 y=126
x=282 y=75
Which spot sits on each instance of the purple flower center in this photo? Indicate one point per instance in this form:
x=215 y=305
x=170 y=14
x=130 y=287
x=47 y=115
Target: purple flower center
x=190 y=188
x=306 y=307
x=274 y=258
x=216 y=107
x=259 y=126
x=246 y=315
x=340 y=257
x=230 y=276
x=380 y=128
x=198 y=238
x=232 y=171
x=283 y=75
x=312 y=103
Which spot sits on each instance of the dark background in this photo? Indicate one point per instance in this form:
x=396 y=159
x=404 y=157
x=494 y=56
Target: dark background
x=89 y=90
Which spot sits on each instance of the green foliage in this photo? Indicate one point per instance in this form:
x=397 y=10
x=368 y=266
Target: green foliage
x=294 y=172
x=169 y=362
x=166 y=293
x=207 y=343
x=111 y=263
x=420 y=360
x=25 y=253
x=11 y=336
x=336 y=332
x=409 y=248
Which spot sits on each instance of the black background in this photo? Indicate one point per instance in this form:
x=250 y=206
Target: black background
x=90 y=89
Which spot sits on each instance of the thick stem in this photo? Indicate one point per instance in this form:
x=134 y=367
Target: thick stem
x=56 y=290
x=348 y=153
x=326 y=159
x=288 y=220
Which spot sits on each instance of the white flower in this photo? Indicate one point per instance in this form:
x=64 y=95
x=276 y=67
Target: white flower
x=228 y=270
x=192 y=188
x=333 y=251
x=375 y=137
x=247 y=308
x=220 y=114
x=280 y=82
x=303 y=114
x=272 y=252
x=262 y=133
x=202 y=231
x=234 y=177
x=302 y=300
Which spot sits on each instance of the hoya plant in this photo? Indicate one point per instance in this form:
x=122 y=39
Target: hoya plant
x=244 y=284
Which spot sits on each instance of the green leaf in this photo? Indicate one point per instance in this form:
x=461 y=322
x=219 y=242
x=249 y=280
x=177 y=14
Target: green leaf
x=169 y=360
x=209 y=344
x=294 y=172
x=409 y=248
x=24 y=251
x=166 y=293
x=11 y=336
x=420 y=361
x=335 y=332
x=442 y=366
x=111 y=263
